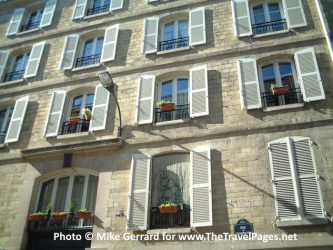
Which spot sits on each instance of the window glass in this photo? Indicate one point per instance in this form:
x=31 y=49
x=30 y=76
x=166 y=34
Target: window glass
x=182 y=91
x=45 y=195
x=35 y=17
x=88 y=48
x=76 y=107
x=91 y=193
x=61 y=195
x=268 y=77
x=97 y=3
x=286 y=74
x=274 y=11
x=21 y=62
x=259 y=14
x=182 y=28
x=99 y=46
x=169 y=31
x=77 y=191
x=89 y=101
x=166 y=91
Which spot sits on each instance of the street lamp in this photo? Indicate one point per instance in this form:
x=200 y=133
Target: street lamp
x=108 y=84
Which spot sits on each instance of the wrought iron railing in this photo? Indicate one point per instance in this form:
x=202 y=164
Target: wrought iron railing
x=15 y=75
x=266 y=27
x=30 y=26
x=97 y=10
x=181 y=112
x=2 y=136
x=292 y=97
x=179 y=219
x=71 y=222
x=71 y=127
x=88 y=60
x=173 y=43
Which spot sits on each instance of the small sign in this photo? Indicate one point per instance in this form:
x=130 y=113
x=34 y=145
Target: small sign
x=243 y=227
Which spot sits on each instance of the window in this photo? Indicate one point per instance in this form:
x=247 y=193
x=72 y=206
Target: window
x=189 y=96
x=95 y=7
x=91 y=52
x=266 y=16
x=33 y=21
x=281 y=82
x=18 y=68
x=166 y=178
x=78 y=118
x=81 y=190
x=98 y=6
x=187 y=29
x=295 y=182
x=5 y=116
x=279 y=74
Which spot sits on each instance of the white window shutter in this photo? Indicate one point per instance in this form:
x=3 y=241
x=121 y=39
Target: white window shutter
x=55 y=113
x=283 y=181
x=249 y=84
x=4 y=55
x=150 y=35
x=34 y=59
x=138 y=197
x=16 y=122
x=79 y=9
x=294 y=13
x=15 y=22
x=110 y=43
x=69 y=52
x=309 y=188
x=197 y=26
x=100 y=109
x=116 y=5
x=48 y=13
x=145 y=99
x=309 y=76
x=199 y=102
x=241 y=18
x=201 y=187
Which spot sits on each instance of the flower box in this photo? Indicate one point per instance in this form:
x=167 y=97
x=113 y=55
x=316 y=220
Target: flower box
x=165 y=107
x=36 y=217
x=85 y=214
x=59 y=216
x=74 y=120
x=168 y=209
x=280 y=90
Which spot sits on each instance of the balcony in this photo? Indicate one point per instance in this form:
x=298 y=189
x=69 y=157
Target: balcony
x=261 y=28
x=78 y=126
x=15 y=75
x=30 y=26
x=97 y=10
x=179 y=219
x=181 y=112
x=173 y=43
x=292 y=97
x=87 y=60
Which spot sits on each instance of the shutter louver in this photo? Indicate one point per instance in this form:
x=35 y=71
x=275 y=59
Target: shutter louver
x=34 y=60
x=241 y=18
x=199 y=91
x=110 y=43
x=4 y=55
x=116 y=5
x=55 y=113
x=15 y=22
x=48 y=13
x=16 y=122
x=294 y=12
x=150 y=35
x=201 y=190
x=79 y=9
x=139 y=193
x=197 y=26
x=100 y=109
x=69 y=52
x=145 y=100
x=309 y=76
x=249 y=84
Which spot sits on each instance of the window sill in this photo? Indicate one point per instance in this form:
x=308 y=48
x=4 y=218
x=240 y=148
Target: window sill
x=304 y=222
x=96 y=15
x=271 y=33
x=171 y=122
x=74 y=135
x=182 y=230
x=173 y=50
x=2 y=84
x=288 y=106
x=27 y=32
x=86 y=67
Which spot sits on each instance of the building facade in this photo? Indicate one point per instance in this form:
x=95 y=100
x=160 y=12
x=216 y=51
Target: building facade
x=249 y=134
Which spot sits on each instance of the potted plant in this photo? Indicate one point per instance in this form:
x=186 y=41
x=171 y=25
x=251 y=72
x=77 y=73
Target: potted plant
x=166 y=105
x=279 y=90
x=87 y=113
x=38 y=216
x=168 y=207
x=84 y=213
x=59 y=216
x=71 y=209
x=48 y=210
x=74 y=119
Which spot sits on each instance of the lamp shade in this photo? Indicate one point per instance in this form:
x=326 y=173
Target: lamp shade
x=105 y=79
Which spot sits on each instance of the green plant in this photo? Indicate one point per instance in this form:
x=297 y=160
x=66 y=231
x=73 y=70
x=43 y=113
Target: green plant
x=59 y=213
x=87 y=113
x=168 y=204
x=49 y=208
x=163 y=102
x=83 y=210
x=71 y=208
x=39 y=214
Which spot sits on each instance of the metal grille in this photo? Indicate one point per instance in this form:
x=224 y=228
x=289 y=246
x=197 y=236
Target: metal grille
x=261 y=28
x=15 y=75
x=97 y=10
x=181 y=112
x=270 y=100
x=87 y=60
x=173 y=43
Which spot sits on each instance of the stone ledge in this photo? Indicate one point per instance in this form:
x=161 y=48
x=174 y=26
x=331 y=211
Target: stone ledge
x=74 y=135
x=183 y=230
x=289 y=106
x=309 y=222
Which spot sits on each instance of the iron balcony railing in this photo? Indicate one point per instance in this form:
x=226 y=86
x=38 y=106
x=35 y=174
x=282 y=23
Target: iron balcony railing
x=266 y=27
x=179 y=219
x=97 y=10
x=71 y=127
x=88 y=60
x=30 y=26
x=2 y=136
x=181 y=112
x=294 y=96
x=15 y=75
x=173 y=43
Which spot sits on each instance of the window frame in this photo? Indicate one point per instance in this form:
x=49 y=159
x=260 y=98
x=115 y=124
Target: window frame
x=94 y=39
x=84 y=99
x=5 y=123
x=174 y=87
x=265 y=3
